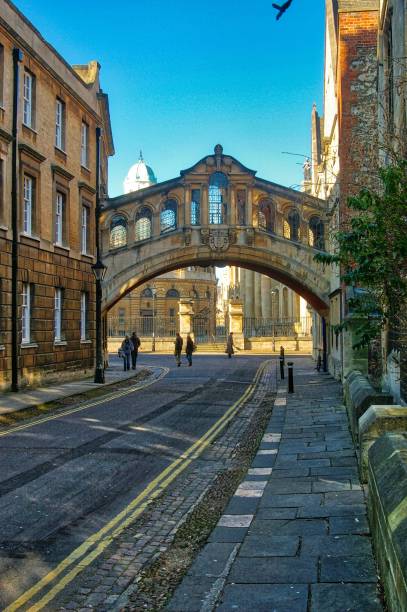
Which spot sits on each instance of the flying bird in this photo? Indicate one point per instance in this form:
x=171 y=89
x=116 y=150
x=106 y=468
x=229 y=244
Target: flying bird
x=281 y=8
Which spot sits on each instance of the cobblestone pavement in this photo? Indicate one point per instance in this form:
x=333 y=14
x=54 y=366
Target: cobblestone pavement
x=109 y=583
x=294 y=537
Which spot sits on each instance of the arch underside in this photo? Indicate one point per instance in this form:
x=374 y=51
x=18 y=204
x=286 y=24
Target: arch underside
x=308 y=281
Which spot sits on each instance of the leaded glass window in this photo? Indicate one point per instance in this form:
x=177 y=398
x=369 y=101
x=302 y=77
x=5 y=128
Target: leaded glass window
x=168 y=216
x=146 y=293
x=118 y=232
x=218 y=185
x=196 y=207
x=172 y=293
x=143 y=224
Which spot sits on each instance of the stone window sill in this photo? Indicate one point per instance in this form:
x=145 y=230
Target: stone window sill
x=87 y=256
x=61 y=247
x=60 y=343
x=86 y=341
x=2 y=347
x=29 y=127
x=25 y=345
x=61 y=153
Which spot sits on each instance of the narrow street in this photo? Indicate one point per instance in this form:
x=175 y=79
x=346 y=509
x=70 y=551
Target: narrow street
x=65 y=479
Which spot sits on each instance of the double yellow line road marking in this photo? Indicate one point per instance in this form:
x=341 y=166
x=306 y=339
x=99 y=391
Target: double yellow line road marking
x=106 y=398
x=80 y=558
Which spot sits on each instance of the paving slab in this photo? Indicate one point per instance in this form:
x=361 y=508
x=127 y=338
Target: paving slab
x=341 y=597
x=270 y=597
x=308 y=546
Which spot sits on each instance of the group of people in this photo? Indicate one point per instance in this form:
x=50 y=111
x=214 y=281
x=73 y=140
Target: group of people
x=129 y=351
x=130 y=346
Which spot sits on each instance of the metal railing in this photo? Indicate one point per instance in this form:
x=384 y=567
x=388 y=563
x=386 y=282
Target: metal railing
x=261 y=327
x=147 y=326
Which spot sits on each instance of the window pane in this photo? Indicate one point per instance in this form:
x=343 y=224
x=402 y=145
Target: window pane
x=118 y=232
x=196 y=207
x=27 y=209
x=168 y=216
x=217 y=206
x=57 y=314
x=59 y=212
x=25 y=314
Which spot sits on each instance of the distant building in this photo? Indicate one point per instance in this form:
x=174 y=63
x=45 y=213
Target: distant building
x=60 y=107
x=139 y=176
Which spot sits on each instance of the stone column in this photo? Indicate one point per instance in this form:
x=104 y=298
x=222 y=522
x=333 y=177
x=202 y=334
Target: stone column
x=257 y=295
x=236 y=322
x=266 y=297
x=186 y=313
x=187 y=205
x=232 y=217
x=204 y=205
x=249 y=213
x=242 y=283
x=249 y=293
x=156 y=221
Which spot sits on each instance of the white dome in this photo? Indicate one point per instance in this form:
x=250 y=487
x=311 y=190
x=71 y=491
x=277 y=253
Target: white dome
x=139 y=176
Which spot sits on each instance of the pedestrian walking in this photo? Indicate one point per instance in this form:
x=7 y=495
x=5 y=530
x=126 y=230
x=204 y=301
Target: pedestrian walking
x=229 y=345
x=178 y=348
x=135 y=340
x=282 y=354
x=126 y=349
x=189 y=349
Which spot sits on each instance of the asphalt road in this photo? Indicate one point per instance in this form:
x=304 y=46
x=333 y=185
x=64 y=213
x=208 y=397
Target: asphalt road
x=63 y=479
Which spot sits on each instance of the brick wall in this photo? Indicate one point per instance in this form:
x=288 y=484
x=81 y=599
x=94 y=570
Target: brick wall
x=357 y=100
x=43 y=358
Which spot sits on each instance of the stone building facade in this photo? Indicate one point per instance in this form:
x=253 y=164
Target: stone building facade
x=59 y=108
x=161 y=298
x=345 y=141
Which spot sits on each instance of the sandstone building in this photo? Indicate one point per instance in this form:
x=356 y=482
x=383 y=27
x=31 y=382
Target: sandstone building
x=59 y=108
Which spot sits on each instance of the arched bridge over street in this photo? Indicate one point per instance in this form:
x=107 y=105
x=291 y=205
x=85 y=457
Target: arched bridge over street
x=218 y=212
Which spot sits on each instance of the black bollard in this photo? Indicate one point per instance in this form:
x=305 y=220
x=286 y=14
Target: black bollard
x=290 y=366
x=282 y=368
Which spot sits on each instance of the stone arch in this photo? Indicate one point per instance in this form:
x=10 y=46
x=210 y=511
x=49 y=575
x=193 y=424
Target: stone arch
x=293 y=265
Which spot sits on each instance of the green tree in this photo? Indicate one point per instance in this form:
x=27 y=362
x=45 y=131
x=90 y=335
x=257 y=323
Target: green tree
x=371 y=252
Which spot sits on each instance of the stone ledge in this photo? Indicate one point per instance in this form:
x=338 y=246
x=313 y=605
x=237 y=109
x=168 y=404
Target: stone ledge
x=387 y=508
x=376 y=421
x=359 y=396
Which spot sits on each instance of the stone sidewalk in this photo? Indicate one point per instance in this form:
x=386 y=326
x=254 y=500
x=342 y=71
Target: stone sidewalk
x=294 y=537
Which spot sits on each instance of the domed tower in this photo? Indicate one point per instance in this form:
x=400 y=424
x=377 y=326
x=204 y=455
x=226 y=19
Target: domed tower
x=139 y=176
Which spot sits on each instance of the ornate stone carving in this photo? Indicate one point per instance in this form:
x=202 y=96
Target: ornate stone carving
x=187 y=237
x=250 y=236
x=218 y=240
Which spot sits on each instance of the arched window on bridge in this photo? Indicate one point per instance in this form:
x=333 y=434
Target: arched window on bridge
x=118 y=232
x=143 y=223
x=292 y=225
x=218 y=184
x=196 y=207
x=266 y=215
x=168 y=216
x=316 y=233
x=172 y=293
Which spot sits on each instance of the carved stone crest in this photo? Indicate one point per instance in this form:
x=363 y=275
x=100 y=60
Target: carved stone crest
x=187 y=237
x=218 y=240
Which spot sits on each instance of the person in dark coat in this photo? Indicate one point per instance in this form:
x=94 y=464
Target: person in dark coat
x=134 y=353
x=126 y=349
x=229 y=345
x=178 y=348
x=189 y=349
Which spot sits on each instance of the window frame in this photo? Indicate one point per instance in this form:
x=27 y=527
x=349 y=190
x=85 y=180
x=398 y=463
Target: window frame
x=60 y=120
x=58 y=297
x=217 y=216
x=144 y=212
x=28 y=203
x=29 y=99
x=119 y=218
x=85 y=145
x=26 y=314
x=170 y=205
x=84 y=320
x=85 y=227
x=195 y=207
x=60 y=199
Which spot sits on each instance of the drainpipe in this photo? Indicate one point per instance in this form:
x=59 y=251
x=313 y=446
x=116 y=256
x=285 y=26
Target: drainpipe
x=17 y=58
x=324 y=347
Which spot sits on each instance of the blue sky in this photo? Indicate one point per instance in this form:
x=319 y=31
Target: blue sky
x=182 y=76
